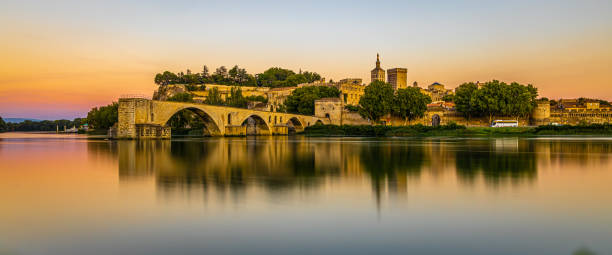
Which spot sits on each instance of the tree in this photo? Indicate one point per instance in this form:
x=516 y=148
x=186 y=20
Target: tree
x=181 y=97
x=221 y=71
x=376 y=101
x=448 y=98
x=103 y=117
x=302 y=99
x=3 y=125
x=497 y=98
x=236 y=98
x=463 y=100
x=205 y=73
x=257 y=99
x=409 y=103
x=274 y=77
x=166 y=78
x=520 y=99
x=489 y=99
x=214 y=97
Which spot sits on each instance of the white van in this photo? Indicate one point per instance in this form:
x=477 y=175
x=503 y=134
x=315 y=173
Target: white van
x=505 y=123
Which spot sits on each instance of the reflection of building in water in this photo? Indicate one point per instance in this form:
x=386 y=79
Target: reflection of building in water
x=563 y=153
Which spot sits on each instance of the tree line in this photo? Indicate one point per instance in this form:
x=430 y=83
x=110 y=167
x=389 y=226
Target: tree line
x=273 y=77
x=43 y=125
x=495 y=98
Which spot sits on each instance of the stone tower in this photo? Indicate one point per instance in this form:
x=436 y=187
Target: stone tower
x=378 y=74
x=397 y=78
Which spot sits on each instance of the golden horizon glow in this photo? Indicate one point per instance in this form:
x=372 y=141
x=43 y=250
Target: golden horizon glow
x=59 y=66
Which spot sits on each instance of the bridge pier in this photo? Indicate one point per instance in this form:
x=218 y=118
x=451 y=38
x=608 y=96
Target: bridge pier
x=235 y=130
x=280 y=130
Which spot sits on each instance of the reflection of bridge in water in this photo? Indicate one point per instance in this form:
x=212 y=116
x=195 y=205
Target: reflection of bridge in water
x=143 y=118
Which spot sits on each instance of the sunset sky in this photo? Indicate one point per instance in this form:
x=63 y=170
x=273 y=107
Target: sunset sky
x=60 y=58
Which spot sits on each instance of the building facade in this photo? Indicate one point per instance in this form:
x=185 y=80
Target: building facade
x=436 y=91
x=397 y=77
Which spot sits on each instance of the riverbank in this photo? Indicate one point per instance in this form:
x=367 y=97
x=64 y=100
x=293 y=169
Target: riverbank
x=456 y=130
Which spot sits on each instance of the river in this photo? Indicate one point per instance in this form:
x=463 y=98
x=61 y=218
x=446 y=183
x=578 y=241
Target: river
x=65 y=194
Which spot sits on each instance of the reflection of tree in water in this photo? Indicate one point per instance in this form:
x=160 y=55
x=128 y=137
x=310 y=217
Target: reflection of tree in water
x=496 y=164
x=393 y=162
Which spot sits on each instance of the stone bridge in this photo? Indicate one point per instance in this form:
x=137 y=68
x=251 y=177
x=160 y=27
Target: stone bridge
x=144 y=118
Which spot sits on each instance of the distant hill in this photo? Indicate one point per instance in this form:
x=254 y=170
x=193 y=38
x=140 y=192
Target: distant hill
x=17 y=120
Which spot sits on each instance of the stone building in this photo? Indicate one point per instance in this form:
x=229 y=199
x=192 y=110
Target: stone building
x=378 y=74
x=572 y=112
x=397 y=77
x=276 y=97
x=333 y=110
x=351 y=90
x=329 y=108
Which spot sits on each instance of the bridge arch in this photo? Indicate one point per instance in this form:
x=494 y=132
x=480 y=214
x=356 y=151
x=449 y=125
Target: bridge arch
x=211 y=126
x=256 y=125
x=295 y=125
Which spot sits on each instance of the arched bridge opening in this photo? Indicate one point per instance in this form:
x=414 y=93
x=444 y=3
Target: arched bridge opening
x=294 y=125
x=192 y=121
x=256 y=125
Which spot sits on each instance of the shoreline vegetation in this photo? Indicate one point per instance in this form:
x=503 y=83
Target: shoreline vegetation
x=454 y=130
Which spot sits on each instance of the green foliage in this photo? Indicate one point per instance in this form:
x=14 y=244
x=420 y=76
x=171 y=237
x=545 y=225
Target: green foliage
x=236 y=99
x=463 y=99
x=166 y=78
x=181 y=97
x=195 y=87
x=448 y=98
x=351 y=108
x=377 y=100
x=273 y=77
x=214 y=97
x=553 y=103
x=378 y=131
x=257 y=98
x=302 y=99
x=44 y=125
x=409 y=103
x=497 y=98
x=582 y=128
x=103 y=117
x=278 y=77
x=3 y=125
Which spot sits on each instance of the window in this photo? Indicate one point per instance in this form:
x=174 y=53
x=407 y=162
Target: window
x=229 y=119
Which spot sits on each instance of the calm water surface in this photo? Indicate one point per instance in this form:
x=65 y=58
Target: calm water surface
x=62 y=194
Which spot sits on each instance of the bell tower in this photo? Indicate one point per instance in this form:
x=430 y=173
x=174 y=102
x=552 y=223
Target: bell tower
x=378 y=74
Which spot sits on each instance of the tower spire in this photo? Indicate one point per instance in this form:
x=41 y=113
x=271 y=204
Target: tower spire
x=377 y=60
